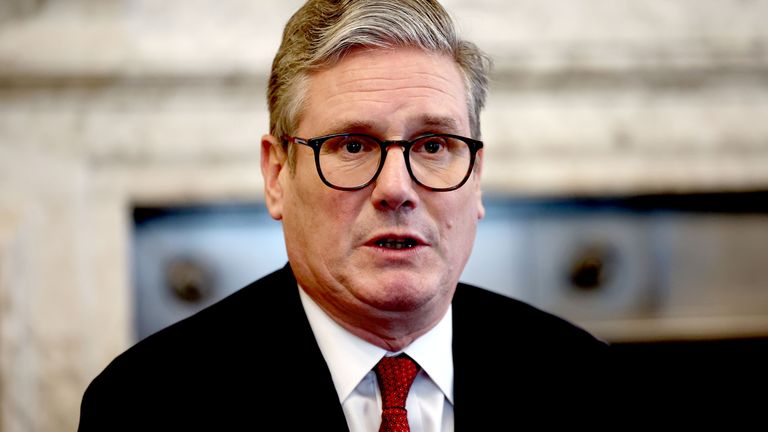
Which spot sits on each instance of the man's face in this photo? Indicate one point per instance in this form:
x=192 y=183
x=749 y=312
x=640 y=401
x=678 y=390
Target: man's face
x=333 y=237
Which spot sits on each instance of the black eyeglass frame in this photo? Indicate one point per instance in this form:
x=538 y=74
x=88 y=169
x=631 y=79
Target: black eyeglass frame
x=317 y=142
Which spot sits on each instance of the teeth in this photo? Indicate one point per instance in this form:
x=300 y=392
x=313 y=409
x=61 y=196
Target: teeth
x=396 y=244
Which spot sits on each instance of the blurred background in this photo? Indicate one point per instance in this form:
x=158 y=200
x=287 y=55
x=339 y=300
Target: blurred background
x=626 y=173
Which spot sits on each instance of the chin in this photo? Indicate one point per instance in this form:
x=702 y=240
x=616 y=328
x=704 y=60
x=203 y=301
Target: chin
x=404 y=293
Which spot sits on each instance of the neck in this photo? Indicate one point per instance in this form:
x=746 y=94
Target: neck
x=392 y=331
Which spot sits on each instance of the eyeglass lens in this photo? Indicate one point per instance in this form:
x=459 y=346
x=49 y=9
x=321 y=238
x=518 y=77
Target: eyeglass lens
x=437 y=162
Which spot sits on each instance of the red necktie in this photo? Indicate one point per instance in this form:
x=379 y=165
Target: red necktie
x=395 y=375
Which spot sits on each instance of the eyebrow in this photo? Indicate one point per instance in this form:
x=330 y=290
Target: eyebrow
x=443 y=123
x=350 y=126
x=426 y=121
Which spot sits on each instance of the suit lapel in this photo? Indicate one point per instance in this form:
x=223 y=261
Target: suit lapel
x=465 y=383
x=321 y=408
x=482 y=378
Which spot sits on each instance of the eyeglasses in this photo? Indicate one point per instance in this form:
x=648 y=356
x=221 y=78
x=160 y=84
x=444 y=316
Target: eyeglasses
x=350 y=161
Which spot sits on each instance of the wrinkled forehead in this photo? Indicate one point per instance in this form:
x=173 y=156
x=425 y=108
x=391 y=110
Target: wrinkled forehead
x=368 y=89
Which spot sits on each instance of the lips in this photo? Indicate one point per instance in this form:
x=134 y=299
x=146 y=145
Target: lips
x=396 y=241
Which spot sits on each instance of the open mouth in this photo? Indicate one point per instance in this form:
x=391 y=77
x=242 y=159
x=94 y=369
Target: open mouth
x=396 y=243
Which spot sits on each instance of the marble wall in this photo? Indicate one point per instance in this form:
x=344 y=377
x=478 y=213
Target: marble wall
x=108 y=104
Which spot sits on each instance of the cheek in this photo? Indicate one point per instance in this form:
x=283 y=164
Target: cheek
x=322 y=218
x=301 y=219
x=459 y=222
x=463 y=210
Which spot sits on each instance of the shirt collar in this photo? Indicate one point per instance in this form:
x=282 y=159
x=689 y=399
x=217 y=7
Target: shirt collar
x=350 y=357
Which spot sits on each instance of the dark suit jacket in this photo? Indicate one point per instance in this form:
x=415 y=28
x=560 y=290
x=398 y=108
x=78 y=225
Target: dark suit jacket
x=251 y=362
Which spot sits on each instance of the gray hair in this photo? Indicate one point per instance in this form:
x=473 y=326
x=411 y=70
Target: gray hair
x=321 y=32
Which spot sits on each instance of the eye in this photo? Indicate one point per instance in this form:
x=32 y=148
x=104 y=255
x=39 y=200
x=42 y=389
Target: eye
x=349 y=146
x=430 y=145
x=353 y=146
x=433 y=146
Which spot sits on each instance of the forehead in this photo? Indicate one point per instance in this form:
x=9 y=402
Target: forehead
x=387 y=91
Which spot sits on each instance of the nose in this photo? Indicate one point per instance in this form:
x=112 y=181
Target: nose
x=394 y=189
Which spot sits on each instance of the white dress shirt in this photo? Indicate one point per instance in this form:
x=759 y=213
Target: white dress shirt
x=351 y=360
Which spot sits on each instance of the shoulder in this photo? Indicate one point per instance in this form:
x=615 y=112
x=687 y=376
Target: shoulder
x=232 y=317
x=508 y=353
x=259 y=302
x=497 y=316
x=206 y=353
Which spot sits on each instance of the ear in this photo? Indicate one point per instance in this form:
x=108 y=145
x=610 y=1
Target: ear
x=273 y=163
x=478 y=169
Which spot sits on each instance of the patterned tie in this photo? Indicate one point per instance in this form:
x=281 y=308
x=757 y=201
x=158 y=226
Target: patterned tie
x=395 y=375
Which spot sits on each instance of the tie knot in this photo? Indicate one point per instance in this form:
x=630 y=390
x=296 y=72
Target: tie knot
x=395 y=375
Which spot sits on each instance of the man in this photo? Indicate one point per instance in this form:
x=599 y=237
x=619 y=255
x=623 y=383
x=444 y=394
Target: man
x=373 y=165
